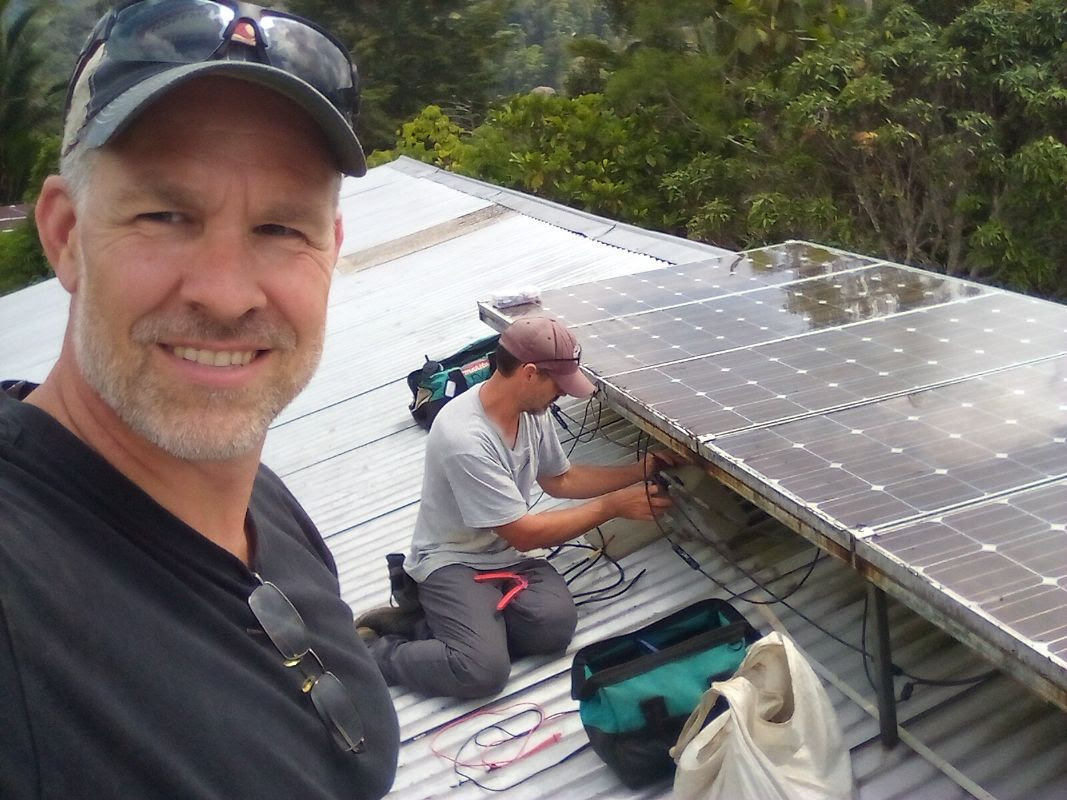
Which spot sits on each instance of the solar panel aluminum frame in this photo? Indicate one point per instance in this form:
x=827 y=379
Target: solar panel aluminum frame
x=964 y=621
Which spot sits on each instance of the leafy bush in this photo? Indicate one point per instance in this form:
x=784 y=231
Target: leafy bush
x=22 y=261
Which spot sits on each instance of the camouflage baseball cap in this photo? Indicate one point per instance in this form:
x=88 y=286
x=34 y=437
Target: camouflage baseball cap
x=142 y=50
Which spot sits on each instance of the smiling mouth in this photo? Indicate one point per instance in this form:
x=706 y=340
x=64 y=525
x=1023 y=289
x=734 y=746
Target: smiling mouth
x=216 y=358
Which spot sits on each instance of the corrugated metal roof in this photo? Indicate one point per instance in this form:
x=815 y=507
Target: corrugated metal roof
x=349 y=450
x=31 y=329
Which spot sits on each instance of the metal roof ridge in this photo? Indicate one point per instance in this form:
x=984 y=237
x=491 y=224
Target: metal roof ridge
x=598 y=228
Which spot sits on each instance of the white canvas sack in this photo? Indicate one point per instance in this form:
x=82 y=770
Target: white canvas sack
x=778 y=740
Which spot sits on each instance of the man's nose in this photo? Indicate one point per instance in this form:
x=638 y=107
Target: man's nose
x=222 y=279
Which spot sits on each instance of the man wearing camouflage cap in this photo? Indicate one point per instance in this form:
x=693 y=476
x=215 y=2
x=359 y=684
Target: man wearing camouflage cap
x=170 y=618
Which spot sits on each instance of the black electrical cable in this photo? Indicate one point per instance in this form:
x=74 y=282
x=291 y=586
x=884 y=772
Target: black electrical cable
x=600 y=598
x=694 y=565
x=558 y=414
x=863 y=644
x=914 y=680
x=682 y=553
x=759 y=585
x=595 y=595
x=562 y=415
x=586 y=565
x=473 y=780
x=599 y=428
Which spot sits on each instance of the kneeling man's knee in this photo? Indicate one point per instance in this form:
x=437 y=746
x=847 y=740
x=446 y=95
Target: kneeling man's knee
x=479 y=675
x=551 y=633
x=558 y=634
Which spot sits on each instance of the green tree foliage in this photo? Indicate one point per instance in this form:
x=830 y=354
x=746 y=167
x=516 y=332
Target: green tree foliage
x=431 y=137
x=539 y=39
x=22 y=260
x=39 y=49
x=930 y=145
x=744 y=34
x=1022 y=243
x=687 y=59
x=576 y=151
x=572 y=150
x=930 y=133
x=412 y=53
x=21 y=108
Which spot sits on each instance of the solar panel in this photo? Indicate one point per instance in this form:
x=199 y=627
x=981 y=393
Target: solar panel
x=761 y=384
x=727 y=322
x=880 y=463
x=675 y=285
x=1006 y=559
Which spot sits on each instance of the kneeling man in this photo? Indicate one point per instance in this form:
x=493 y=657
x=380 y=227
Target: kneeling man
x=483 y=600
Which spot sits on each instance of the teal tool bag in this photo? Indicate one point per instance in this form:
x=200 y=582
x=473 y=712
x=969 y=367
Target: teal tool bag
x=437 y=382
x=635 y=691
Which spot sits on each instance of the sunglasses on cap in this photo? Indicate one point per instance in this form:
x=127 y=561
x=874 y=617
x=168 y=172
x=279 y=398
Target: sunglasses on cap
x=192 y=31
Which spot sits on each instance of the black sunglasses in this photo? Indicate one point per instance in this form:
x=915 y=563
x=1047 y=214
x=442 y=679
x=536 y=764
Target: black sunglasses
x=286 y=629
x=191 y=31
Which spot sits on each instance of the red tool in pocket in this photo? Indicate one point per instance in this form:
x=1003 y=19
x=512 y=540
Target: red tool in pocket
x=519 y=583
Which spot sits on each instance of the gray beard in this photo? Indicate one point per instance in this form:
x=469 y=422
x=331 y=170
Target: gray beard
x=214 y=428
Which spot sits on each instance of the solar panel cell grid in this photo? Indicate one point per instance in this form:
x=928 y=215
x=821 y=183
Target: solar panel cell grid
x=876 y=464
x=841 y=296
x=915 y=414
x=1007 y=557
x=637 y=340
x=898 y=412
x=829 y=369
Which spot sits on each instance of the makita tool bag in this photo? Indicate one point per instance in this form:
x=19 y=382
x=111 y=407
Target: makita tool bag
x=635 y=691
x=437 y=382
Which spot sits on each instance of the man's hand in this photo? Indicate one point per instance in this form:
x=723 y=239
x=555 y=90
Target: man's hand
x=660 y=459
x=639 y=501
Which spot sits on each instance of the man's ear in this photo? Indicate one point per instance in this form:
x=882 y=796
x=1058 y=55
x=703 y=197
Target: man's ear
x=56 y=225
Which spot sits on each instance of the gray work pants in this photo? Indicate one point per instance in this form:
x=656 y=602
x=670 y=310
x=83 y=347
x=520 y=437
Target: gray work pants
x=466 y=646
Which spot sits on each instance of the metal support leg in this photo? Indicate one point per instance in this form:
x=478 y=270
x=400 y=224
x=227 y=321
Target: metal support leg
x=883 y=667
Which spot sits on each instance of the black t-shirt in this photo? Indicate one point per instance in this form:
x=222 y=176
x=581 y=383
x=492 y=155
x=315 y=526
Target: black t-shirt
x=130 y=663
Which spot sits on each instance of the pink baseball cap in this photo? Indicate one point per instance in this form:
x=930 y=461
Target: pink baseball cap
x=549 y=345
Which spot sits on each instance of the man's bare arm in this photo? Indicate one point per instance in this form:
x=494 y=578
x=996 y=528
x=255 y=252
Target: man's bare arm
x=583 y=481
x=550 y=528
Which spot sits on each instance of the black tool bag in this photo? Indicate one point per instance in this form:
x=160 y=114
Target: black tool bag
x=437 y=382
x=635 y=691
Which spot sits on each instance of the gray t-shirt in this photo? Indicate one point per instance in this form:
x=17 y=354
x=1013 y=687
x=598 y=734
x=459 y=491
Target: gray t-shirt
x=474 y=483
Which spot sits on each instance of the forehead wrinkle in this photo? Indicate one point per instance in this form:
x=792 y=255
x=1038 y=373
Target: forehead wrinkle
x=157 y=187
x=302 y=214
x=160 y=186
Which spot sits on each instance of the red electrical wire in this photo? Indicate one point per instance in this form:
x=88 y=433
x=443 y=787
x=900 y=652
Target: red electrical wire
x=509 y=712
